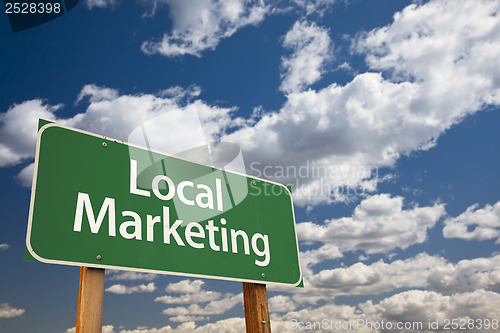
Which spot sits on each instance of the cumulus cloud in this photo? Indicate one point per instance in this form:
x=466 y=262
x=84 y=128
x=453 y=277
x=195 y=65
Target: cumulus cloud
x=311 y=50
x=379 y=224
x=289 y=322
x=466 y=275
x=201 y=25
x=192 y=293
x=25 y=177
x=179 y=93
x=96 y=94
x=310 y=258
x=100 y=3
x=116 y=116
x=434 y=65
x=107 y=114
x=122 y=290
x=18 y=130
x=229 y=325
x=200 y=297
x=412 y=307
x=105 y=329
x=460 y=41
x=421 y=306
x=281 y=303
x=196 y=312
x=129 y=275
x=378 y=277
x=7 y=311
x=422 y=271
x=185 y=286
x=315 y=6
x=475 y=224
x=325 y=252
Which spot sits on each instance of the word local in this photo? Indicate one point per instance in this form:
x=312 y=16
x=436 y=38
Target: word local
x=194 y=233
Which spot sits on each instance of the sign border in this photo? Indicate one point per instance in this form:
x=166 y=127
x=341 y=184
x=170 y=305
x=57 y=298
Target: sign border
x=72 y=263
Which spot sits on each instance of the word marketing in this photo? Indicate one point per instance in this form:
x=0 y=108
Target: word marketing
x=214 y=235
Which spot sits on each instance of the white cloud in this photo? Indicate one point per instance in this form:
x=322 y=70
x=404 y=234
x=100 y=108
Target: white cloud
x=216 y=307
x=100 y=3
x=105 y=329
x=422 y=271
x=96 y=94
x=7 y=311
x=229 y=325
x=187 y=318
x=202 y=24
x=315 y=6
x=310 y=258
x=281 y=303
x=422 y=306
x=325 y=252
x=122 y=290
x=115 y=116
x=379 y=224
x=192 y=293
x=379 y=277
x=25 y=177
x=479 y=273
x=475 y=224
x=18 y=128
x=108 y=329
x=201 y=296
x=438 y=42
x=4 y=246
x=413 y=307
x=441 y=62
x=185 y=287
x=178 y=93
x=311 y=50
x=129 y=275
x=289 y=322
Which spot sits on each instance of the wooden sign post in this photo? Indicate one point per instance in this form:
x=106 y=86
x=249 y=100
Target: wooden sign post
x=256 y=308
x=90 y=295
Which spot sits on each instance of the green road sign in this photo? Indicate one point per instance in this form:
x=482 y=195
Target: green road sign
x=100 y=202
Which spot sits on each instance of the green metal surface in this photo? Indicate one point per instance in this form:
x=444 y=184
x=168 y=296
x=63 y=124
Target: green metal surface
x=239 y=228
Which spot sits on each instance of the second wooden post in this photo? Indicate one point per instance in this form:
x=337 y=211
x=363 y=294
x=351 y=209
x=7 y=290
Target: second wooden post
x=256 y=308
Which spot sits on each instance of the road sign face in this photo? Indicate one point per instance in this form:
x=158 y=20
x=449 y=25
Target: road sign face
x=100 y=202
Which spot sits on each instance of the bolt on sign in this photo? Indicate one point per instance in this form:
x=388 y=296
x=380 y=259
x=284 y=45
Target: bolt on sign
x=100 y=202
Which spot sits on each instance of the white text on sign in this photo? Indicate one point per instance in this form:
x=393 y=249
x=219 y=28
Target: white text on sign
x=214 y=237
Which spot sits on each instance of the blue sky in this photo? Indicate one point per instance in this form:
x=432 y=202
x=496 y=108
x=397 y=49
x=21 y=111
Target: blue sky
x=395 y=102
